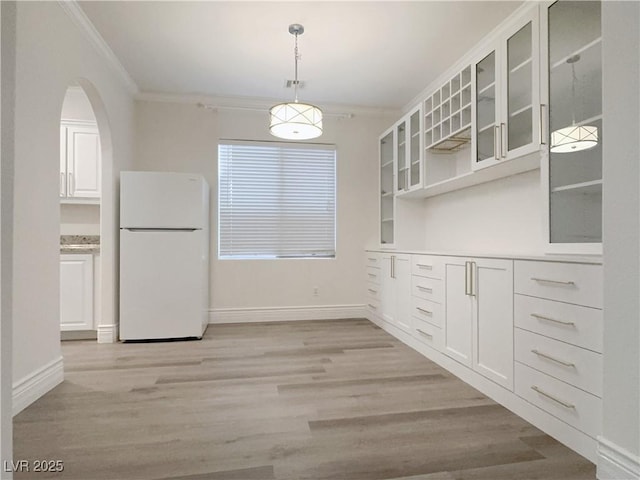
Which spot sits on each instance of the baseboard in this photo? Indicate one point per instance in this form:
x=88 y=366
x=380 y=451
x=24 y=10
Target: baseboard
x=615 y=463
x=66 y=335
x=35 y=385
x=278 y=314
x=108 y=333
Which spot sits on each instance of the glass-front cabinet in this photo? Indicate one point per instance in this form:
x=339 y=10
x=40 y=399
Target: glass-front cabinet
x=506 y=96
x=409 y=163
x=387 y=200
x=573 y=59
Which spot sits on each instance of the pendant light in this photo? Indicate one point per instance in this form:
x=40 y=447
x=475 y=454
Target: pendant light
x=575 y=137
x=295 y=120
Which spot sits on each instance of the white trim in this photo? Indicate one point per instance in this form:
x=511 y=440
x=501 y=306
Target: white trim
x=616 y=463
x=259 y=104
x=33 y=386
x=81 y=20
x=107 y=333
x=278 y=314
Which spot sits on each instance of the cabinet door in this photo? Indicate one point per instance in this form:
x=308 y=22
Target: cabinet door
x=388 y=297
x=83 y=162
x=571 y=37
x=402 y=172
x=493 y=320
x=76 y=292
x=521 y=116
x=414 y=150
x=402 y=281
x=458 y=311
x=486 y=99
x=387 y=199
x=63 y=161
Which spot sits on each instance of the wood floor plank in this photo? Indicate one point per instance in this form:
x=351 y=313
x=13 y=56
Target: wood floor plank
x=336 y=399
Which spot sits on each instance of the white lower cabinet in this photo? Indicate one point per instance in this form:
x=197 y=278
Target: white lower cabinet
x=76 y=292
x=396 y=290
x=478 y=321
x=528 y=333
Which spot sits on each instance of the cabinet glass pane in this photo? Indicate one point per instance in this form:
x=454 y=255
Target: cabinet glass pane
x=486 y=106
x=575 y=100
x=386 y=189
x=520 y=88
x=402 y=157
x=414 y=150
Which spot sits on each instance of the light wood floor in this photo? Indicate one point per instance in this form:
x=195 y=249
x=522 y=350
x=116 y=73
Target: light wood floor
x=291 y=400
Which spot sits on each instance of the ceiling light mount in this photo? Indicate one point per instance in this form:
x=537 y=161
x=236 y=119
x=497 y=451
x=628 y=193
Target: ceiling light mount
x=295 y=120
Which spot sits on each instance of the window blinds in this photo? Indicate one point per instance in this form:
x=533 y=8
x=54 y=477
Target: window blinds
x=276 y=200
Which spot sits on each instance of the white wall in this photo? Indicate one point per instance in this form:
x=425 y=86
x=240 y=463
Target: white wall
x=621 y=174
x=76 y=105
x=181 y=137
x=503 y=216
x=51 y=53
x=7 y=99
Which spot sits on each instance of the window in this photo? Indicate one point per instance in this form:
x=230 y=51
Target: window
x=276 y=200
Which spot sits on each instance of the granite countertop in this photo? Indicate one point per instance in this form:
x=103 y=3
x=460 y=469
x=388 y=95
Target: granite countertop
x=79 y=243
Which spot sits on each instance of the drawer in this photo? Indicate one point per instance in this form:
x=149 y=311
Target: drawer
x=571 y=405
x=373 y=259
x=427 y=288
x=373 y=291
x=427 y=311
x=574 y=365
x=566 y=282
x=373 y=306
x=427 y=334
x=427 y=266
x=581 y=326
x=374 y=275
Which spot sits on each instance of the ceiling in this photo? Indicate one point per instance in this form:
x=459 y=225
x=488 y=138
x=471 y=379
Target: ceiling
x=364 y=53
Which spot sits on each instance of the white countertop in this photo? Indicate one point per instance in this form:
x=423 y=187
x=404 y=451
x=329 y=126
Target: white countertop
x=592 y=259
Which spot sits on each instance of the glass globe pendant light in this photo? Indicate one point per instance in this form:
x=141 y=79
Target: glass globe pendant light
x=575 y=137
x=295 y=120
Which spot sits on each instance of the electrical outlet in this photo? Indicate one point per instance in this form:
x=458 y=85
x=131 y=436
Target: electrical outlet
x=316 y=291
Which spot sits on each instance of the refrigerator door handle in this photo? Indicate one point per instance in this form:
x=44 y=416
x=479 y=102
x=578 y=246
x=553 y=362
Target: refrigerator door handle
x=169 y=230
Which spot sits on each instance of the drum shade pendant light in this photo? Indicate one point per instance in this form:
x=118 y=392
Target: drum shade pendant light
x=575 y=137
x=295 y=120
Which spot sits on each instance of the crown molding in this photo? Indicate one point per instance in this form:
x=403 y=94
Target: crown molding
x=77 y=15
x=216 y=103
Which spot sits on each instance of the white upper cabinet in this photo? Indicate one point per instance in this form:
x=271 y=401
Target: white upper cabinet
x=387 y=201
x=409 y=173
x=506 y=95
x=572 y=166
x=80 y=161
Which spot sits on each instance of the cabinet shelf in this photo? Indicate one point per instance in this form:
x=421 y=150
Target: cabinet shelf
x=580 y=51
x=520 y=110
x=386 y=194
x=387 y=220
x=452 y=142
x=487 y=88
x=592 y=187
x=387 y=164
x=486 y=127
x=521 y=66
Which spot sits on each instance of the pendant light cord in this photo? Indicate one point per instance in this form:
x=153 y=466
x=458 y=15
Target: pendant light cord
x=296 y=56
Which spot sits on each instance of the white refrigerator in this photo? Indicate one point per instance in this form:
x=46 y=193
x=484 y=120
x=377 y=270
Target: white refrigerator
x=164 y=255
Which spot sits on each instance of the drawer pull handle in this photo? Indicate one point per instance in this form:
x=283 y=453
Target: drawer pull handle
x=372 y=259
x=422 y=265
x=372 y=290
x=373 y=275
x=424 y=289
x=424 y=333
x=372 y=306
x=426 y=312
x=549 y=319
x=553 y=359
x=556 y=282
x=535 y=388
